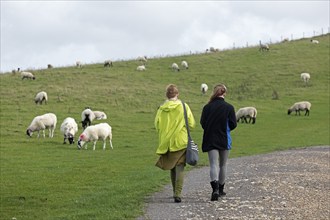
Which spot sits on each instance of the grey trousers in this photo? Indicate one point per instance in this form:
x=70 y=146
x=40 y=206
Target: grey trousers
x=218 y=165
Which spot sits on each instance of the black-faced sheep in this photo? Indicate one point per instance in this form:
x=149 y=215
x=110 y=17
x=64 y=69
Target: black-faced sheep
x=94 y=133
x=42 y=122
x=315 y=41
x=184 y=64
x=264 y=47
x=40 y=97
x=175 y=67
x=204 y=88
x=87 y=116
x=108 y=63
x=142 y=59
x=246 y=112
x=300 y=106
x=49 y=66
x=78 y=64
x=27 y=75
x=69 y=128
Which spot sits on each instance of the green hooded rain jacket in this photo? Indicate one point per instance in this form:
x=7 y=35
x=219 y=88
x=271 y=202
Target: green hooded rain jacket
x=171 y=127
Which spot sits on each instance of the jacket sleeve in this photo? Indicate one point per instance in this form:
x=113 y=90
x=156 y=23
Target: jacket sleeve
x=156 y=122
x=191 y=119
x=202 y=120
x=232 y=119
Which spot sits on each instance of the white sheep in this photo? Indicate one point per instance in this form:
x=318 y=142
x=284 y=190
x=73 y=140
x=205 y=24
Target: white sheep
x=94 y=133
x=246 y=112
x=300 y=106
x=78 y=64
x=41 y=122
x=184 y=64
x=40 y=97
x=142 y=59
x=141 y=68
x=87 y=116
x=108 y=63
x=204 y=88
x=175 y=67
x=314 y=41
x=69 y=128
x=305 y=77
x=99 y=115
x=27 y=75
x=264 y=47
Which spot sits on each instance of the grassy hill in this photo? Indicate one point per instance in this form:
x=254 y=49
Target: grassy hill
x=45 y=179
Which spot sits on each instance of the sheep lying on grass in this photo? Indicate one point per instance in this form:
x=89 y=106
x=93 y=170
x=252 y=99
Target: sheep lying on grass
x=204 y=88
x=41 y=122
x=300 y=106
x=40 y=97
x=27 y=75
x=69 y=128
x=87 y=116
x=246 y=112
x=99 y=115
x=305 y=77
x=141 y=68
x=94 y=133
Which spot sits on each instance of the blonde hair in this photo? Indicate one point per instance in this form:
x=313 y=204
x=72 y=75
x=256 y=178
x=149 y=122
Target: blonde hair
x=171 y=91
x=218 y=90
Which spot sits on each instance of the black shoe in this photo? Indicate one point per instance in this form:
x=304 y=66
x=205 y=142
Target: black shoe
x=215 y=190
x=177 y=199
x=221 y=192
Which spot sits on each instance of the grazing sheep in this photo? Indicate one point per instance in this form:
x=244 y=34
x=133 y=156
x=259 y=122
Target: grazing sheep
x=184 y=64
x=305 y=77
x=246 y=112
x=42 y=122
x=264 y=47
x=87 y=116
x=27 y=75
x=108 y=63
x=40 y=97
x=94 y=133
x=141 y=68
x=304 y=105
x=204 y=88
x=78 y=64
x=142 y=59
x=175 y=67
x=69 y=128
x=99 y=115
x=314 y=41
x=49 y=66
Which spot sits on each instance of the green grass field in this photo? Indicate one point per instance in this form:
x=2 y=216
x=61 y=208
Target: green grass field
x=45 y=179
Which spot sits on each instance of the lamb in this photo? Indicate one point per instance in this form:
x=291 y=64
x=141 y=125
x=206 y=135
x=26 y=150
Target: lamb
x=141 y=68
x=264 y=47
x=40 y=97
x=204 y=88
x=304 y=105
x=27 y=75
x=87 y=116
x=246 y=112
x=314 y=41
x=94 y=133
x=69 y=128
x=99 y=115
x=305 y=77
x=108 y=63
x=184 y=64
x=42 y=122
x=175 y=67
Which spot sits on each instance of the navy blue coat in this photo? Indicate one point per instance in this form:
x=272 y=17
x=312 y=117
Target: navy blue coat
x=218 y=119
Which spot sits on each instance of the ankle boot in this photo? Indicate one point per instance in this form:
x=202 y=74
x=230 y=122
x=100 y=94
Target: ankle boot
x=215 y=192
x=221 y=192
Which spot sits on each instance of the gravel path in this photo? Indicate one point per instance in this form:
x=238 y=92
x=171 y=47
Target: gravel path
x=291 y=184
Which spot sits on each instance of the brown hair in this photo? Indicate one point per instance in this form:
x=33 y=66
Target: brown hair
x=218 y=90
x=171 y=91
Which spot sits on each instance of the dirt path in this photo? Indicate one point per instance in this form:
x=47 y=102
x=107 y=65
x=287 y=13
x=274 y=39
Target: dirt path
x=293 y=184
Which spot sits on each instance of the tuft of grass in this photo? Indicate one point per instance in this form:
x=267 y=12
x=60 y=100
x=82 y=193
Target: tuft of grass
x=45 y=179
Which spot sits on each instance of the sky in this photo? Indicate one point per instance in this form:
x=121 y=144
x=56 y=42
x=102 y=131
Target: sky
x=37 y=33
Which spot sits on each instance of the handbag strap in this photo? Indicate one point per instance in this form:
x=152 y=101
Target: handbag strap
x=186 y=119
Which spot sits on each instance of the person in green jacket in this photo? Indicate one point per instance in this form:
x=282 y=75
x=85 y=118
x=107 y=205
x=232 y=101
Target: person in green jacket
x=173 y=138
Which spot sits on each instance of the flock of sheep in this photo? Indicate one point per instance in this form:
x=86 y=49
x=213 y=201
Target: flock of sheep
x=103 y=131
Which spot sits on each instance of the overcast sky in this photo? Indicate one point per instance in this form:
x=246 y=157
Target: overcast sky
x=35 y=33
